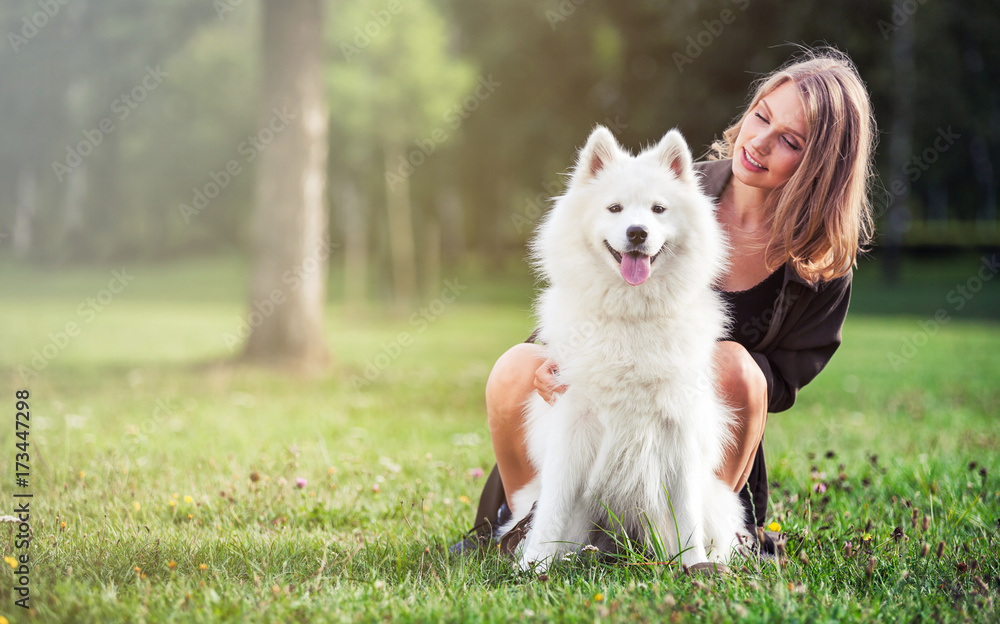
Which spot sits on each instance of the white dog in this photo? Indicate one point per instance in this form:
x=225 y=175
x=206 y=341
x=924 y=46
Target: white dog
x=630 y=253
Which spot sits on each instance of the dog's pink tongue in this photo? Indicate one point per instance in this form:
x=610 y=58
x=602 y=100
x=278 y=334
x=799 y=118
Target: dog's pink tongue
x=635 y=268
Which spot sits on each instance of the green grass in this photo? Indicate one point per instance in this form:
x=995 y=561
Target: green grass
x=135 y=415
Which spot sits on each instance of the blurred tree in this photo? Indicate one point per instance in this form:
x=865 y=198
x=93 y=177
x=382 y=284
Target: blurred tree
x=178 y=144
x=900 y=145
x=75 y=74
x=395 y=91
x=400 y=71
x=557 y=65
x=291 y=244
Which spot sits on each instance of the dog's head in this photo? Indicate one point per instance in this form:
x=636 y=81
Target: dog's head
x=639 y=217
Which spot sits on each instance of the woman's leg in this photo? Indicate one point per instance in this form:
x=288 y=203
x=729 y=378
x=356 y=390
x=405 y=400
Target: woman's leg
x=508 y=388
x=743 y=386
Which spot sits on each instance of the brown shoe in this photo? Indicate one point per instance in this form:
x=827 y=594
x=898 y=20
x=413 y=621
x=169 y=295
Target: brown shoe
x=510 y=541
x=708 y=568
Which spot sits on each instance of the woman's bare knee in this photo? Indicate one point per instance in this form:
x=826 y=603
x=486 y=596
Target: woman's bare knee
x=741 y=381
x=743 y=386
x=510 y=384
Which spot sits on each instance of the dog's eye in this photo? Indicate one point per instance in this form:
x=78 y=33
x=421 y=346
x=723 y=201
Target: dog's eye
x=615 y=208
x=658 y=208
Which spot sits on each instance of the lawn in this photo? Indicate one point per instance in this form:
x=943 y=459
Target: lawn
x=169 y=486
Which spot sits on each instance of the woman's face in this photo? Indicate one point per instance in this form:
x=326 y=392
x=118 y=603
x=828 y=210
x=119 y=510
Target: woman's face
x=772 y=140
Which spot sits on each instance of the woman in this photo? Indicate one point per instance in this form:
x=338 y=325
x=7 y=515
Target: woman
x=790 y=176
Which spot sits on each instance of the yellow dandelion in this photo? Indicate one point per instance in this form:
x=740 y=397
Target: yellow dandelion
x=12 y=562
x=82 y=474
x=774 y=526
x=464 y=500
x=175 y=495
x=3 y=620
x=598 y=597
x=137 y=569
x=188 y=500
x=202 y=566
x=143 y=576
x=332 y=470
x=867 y=537
x=62 y=525
x=172 y=564
x=172 y=503
x=137 y=505
x=190 y=517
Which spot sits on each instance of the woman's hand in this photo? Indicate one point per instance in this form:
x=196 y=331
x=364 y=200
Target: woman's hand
x=545 y=381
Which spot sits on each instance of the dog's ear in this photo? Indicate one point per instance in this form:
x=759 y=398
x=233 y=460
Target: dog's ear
x=601 y=149
x=673 y=152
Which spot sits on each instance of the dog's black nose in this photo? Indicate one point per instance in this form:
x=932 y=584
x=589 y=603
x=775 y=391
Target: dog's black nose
x=636 y=235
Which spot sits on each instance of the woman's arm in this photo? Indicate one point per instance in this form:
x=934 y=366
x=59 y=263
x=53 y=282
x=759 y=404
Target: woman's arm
x=803 y=351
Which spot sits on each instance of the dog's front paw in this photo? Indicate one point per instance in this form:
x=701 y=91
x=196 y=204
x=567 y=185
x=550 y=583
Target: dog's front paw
x=525 y=565
x=534 y=558
x=528 y=564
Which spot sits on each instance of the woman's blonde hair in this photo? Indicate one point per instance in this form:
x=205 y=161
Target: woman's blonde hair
x=821 y=218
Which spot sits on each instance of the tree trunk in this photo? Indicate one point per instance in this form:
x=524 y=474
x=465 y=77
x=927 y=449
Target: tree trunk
x=402 y=247
x=986 y=211
x=355 y=228
x=27 y=187
x=290 y=229
x=452 y=226
x=900 y=150
x=431 y=256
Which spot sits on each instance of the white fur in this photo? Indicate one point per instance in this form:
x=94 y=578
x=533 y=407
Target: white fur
x=641 y=414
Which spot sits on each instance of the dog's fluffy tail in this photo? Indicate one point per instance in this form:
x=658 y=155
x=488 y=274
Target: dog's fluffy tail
x=723 y=522
x=523 y=500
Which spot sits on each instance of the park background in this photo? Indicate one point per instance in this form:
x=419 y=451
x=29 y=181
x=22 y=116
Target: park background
x=257 y=259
